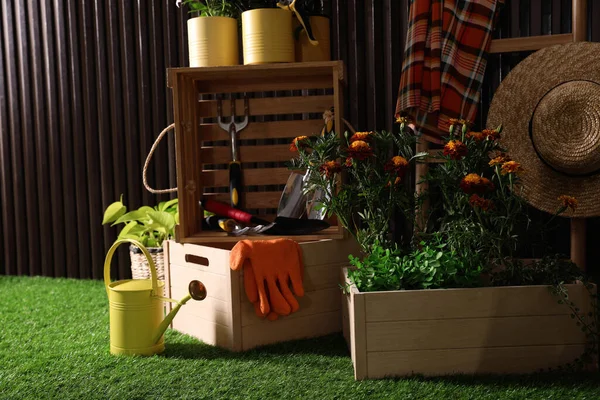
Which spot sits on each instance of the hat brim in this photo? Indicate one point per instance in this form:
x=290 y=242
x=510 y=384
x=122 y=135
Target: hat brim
x=513 y=105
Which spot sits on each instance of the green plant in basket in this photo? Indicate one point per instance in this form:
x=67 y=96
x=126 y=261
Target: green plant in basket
x=148 y=225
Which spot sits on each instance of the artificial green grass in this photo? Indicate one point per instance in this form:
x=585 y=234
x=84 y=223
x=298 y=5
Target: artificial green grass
x=54 y=338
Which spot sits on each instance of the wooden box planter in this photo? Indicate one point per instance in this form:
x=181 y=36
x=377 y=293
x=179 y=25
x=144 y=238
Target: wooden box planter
x=285 y=101
x=469 y=331
x=226 y=318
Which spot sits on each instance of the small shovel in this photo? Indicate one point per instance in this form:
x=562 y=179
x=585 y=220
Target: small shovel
x=281 y=226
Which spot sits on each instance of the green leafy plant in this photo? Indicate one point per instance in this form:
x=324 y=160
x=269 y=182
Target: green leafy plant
x=375 y=164
x=148 y=225
x=213 y=8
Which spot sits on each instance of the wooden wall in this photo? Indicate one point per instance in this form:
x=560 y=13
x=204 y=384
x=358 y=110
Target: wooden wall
x=83 y=95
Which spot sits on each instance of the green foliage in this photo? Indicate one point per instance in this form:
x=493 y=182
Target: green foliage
x=213 y=8
x=372 y=192
x=429 y=266
x=150 y=226
x=550 y=270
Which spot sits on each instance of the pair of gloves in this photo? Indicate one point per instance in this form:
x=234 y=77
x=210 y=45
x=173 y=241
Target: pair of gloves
x=269 y=266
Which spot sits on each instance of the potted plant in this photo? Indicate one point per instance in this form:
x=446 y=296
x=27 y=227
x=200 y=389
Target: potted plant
x=267 y=34
x=317 y=45
x=454 y=298
x=213 y=33
x=150 y=226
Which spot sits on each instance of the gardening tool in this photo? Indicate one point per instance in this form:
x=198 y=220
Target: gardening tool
x=281 y=225
x=137 y=320
x=235 y=167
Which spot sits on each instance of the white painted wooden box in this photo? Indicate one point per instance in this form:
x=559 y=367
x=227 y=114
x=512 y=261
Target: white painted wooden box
x=515 y=329
x=226 y=318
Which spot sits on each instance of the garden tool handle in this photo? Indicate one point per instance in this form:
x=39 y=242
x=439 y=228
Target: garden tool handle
x=110 y=254
x=230 y=212
x=235 y=183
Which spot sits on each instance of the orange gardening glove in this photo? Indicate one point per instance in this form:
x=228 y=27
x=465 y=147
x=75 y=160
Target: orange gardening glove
x=274 y=262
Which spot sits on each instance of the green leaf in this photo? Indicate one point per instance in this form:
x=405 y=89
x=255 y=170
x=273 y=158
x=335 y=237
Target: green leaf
x=162 y=219
x=165 y=205
x=114 y=211
x=137 y=215
x=130 y=229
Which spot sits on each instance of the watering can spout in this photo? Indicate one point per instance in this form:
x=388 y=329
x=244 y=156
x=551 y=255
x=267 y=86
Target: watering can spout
x=197 y=291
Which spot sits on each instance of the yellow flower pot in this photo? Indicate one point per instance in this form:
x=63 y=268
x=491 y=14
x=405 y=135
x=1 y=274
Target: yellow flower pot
x=305 y=51
x=267 y=36
x=213 y=41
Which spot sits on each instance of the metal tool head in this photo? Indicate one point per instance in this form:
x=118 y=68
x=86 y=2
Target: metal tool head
x=231 y=123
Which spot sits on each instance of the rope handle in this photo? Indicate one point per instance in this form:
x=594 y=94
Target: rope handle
x=144 y=172
x=155 y=145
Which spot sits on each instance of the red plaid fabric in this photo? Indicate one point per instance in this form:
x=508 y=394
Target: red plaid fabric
x=445 y=59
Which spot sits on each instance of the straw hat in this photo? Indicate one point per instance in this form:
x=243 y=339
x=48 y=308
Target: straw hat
x=549 y=107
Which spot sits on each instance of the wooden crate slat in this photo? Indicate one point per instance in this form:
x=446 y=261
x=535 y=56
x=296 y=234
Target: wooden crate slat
x=265 y=130
x=477 y=302
x=530 y=43
x=239 y=85
x=221 y=238
x=250 y=200
x=473 y=333
x=257 y=176
x=269 y=106
x=247 y=154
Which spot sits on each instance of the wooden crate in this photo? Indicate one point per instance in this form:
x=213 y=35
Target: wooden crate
x=470 y=331
x=226 y=318
x=286 y=100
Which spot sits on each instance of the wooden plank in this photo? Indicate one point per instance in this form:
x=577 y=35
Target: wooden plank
x=186 y=254
x=206 y=331
x=250 y=199
x=325 y=252
x=509 y=301
x=247 y=154
x=466 y=333
x=241 y=84
x=210 y=309
x=217 y=286
x=345 y=312
x=291 y=329
x=360 y=336
x=166 y=253
x=236 y=309
x=265 y=130
x=269 y=106
x=258 y=176
x=312 y=303
x=531 y=43
x=255 y=72
x=471 y=361
x=222 y=239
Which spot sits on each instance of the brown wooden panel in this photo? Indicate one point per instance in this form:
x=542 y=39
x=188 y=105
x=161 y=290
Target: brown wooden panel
x=265 y=130
x=222 y=154
x=258 y=176
x=528 y=43
x=251 y=199
x=269 y=106
x=238 y=85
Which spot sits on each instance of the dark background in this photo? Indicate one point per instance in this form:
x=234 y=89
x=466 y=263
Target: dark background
x=83 y=96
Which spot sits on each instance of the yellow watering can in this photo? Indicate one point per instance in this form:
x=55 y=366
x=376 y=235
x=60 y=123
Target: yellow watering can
x=137 y=321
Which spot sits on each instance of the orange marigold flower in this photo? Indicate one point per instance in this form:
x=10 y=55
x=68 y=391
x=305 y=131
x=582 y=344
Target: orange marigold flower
x=478 y=136
x=491 y=134
x=364 y=136
x=568 y=202
x=397 y=165
x=402 y=120
x=473 y=183
x=455 y=149
x=360 y=150
x=511 y=167
x=500 y=159
x=299 y=142
x=329 y=168
x=477 y=201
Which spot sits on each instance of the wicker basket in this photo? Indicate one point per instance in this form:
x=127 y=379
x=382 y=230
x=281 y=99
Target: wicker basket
x=139 y=265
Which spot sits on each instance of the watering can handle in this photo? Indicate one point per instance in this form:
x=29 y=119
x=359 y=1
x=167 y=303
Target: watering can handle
x=110 y=254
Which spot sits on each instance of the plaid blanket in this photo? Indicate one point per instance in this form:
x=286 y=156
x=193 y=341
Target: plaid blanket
x=445 y=58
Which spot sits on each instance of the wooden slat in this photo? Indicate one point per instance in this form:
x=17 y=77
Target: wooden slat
x=471 y=361
x=269 y=106
x=258 y=176
x=222 y=154
x=472 y=303
x=218 y=259
x=528 y=43
x=236 y=312
x=207 y=331
x=265 y=130
x=359 y=343
x=250 y=199
x=326 y=252
x=216 y=284
x=210 y=309
x=221 y=238
x=253 y=72
x=466 y=333
x=243 y=84
x=291 y=329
